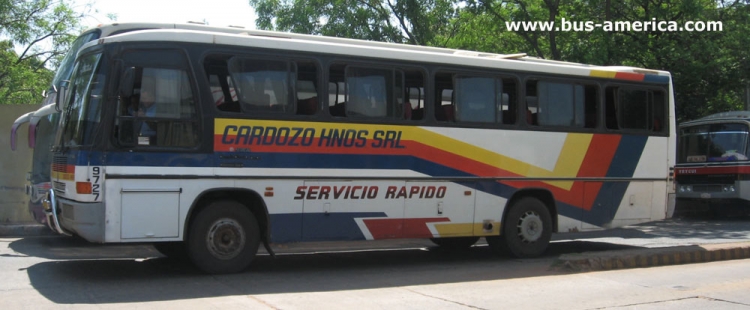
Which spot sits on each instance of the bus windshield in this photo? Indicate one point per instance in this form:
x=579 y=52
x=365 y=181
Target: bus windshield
x=83 y=104
x=66 y=65
x=713 y=143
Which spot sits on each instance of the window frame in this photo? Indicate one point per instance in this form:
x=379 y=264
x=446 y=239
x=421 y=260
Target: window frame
x=290 y=57
x=650 y=88
x=197 y=116
x=572 y=80
x=497 y=74
x=346 y=62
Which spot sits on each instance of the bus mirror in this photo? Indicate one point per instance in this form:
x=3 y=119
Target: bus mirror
x=126 y=82
x=60 y=94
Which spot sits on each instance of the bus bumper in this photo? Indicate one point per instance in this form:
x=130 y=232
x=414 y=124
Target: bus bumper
x=68 y=217
x=722 y=199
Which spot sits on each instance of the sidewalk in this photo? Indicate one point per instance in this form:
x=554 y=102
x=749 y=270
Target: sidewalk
x=24 y=230
x=651 y=257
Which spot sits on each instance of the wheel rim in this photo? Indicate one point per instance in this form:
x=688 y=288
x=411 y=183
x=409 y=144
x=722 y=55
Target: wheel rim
x=530 y=227
x=225 y=239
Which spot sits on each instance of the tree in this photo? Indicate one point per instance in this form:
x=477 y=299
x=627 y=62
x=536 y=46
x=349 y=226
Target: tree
x=36 y=34
x=402 y=21
x=710 y=70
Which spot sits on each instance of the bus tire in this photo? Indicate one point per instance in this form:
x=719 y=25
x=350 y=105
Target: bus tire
x=223 y=238
x=527 y=228
x=454 y=243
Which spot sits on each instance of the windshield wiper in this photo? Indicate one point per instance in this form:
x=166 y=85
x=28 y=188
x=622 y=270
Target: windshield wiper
x=66 y=120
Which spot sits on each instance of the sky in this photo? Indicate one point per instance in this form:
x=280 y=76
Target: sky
x=214 y=12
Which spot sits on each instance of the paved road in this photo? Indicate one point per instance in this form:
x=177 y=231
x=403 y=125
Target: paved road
x=51 y=271
x=669 y=233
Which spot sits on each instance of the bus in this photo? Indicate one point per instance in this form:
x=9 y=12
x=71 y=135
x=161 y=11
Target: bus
x=713 y=166
x=42 y=123
x=319 y=139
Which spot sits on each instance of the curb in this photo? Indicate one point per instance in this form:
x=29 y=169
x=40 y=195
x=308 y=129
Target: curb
x=653 y=257
x=24 y=230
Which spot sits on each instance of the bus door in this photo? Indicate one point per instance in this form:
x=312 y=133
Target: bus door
x=150 y=209
x=438 y=209
x=351 y=210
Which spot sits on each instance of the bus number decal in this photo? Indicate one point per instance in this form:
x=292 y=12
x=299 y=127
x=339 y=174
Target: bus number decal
x=96 y=177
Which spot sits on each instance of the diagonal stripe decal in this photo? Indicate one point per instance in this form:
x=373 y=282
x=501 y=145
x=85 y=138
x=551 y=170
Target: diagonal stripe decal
x=429 y=151
x=414 y=141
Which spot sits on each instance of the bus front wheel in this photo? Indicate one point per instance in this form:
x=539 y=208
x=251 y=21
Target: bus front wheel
x=223 y=238
x=527 y=228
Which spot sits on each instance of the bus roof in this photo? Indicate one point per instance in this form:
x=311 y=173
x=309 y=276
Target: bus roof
x=371 y=49
x=723 y=116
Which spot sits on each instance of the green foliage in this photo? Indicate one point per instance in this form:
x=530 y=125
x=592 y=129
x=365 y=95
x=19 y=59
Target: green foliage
x=36 y=34
x=406 y=21
x=710 y=69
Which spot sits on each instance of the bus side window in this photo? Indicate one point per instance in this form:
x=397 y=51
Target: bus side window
x=532 y=104
x=610 y=108
x=635 y=108
x=415 y=97
x=223 y=93
x=161 y=111
x=262 y=84
x=305 y=88
x=307 y=99
x=508 y=101
x=336 y=91
x=477 y=99
x=566 y=104
x=444 y=98
x=659 y=108
x=411 y=98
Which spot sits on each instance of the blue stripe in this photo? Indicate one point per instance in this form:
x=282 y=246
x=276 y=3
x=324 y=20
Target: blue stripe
x=603 y=211
x=318 y=226
x=653 y=78
x=610 y=195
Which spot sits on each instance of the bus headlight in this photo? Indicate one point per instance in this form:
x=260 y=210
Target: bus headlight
x=686 y=188
x=728 y=188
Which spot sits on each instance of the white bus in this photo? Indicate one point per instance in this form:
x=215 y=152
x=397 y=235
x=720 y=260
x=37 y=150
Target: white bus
x=43 y=122
x=325 y=139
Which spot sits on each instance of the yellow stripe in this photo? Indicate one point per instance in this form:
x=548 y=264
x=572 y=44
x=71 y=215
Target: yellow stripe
x=455 y=230
x=568 y=162
x=466 y=229
x=62 y=175
x=602 y=74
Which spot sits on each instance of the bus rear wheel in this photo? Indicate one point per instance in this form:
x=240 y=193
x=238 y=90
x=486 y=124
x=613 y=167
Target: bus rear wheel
x=223 y=238
x=527 y=229
x=455 y=243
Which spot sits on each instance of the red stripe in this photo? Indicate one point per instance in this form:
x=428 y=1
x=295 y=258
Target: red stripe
x=596 y=162
x=630 y=76
x=63 y=168
x=713 y=170
x=384 y=228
